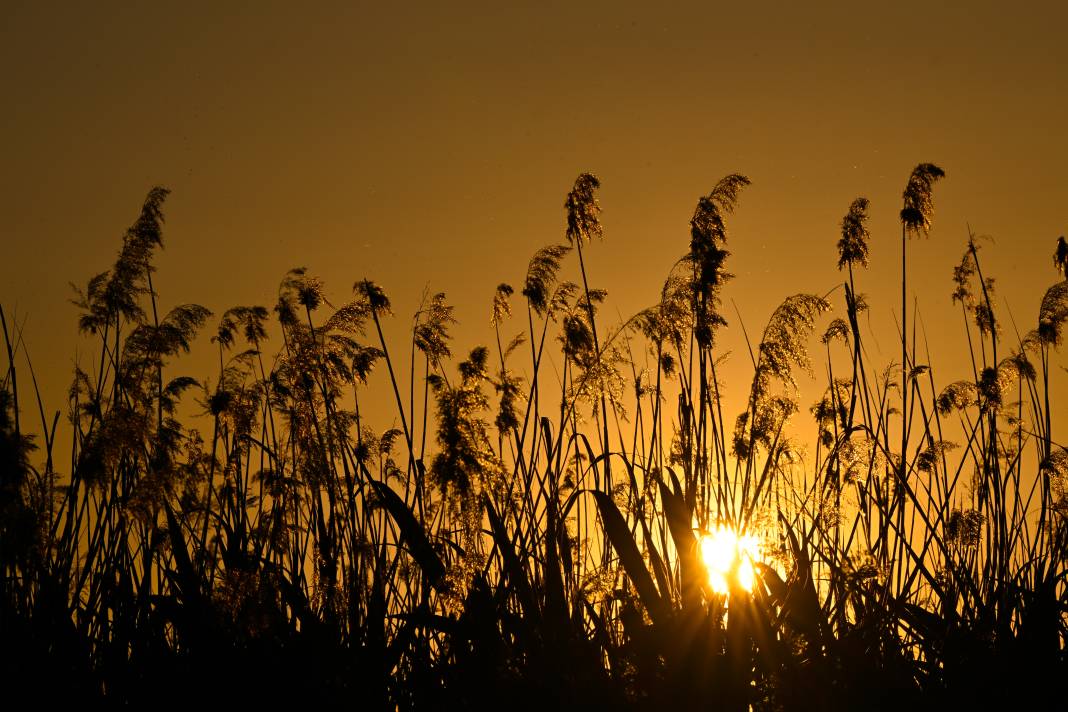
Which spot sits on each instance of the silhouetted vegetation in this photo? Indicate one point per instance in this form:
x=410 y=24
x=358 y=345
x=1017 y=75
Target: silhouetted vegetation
x=543 y=548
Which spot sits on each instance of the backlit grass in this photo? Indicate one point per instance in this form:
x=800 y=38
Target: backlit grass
x=585 y=525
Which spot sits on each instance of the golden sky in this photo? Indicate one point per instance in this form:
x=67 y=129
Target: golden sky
x=433 y=144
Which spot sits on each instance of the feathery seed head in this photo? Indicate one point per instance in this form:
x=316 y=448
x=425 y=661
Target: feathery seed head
x=1060 y=256
x=1052 y=314
x=837 y=329
x=708 y=235
x=541 y=276
x=853 y=247
x=501 y=307
x=431 y=332
x=583 y=210
x=919 y=206
x=374 y=295
x=927 y=460
x=957 y=396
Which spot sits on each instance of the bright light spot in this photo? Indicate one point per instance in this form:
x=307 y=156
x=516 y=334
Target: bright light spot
x=729 y=559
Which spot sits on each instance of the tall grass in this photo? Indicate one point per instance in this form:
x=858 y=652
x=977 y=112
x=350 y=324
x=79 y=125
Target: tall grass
x=543 y=547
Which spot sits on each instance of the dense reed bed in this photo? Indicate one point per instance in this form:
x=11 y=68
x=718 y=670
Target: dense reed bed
x=546 y=547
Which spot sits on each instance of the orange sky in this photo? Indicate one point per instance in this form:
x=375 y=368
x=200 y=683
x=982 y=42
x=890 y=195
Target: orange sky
x=434 y=144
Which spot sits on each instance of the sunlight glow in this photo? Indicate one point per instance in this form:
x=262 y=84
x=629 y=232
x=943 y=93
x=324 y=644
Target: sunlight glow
x=729 y=559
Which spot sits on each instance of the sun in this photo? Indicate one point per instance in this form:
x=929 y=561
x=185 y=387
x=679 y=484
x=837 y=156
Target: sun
x=729 y=559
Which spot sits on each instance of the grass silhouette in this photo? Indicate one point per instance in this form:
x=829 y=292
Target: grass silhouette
x=545 y=548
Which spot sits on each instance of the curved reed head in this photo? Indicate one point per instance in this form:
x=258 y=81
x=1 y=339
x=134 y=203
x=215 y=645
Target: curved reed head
x=853 y=247
x=1060 y=256
x=583 y=210
x=919 y=205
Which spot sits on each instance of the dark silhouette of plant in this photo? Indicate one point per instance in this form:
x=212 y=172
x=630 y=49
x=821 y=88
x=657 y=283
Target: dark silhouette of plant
x=1060 y=257
x=708 y=235
x=279 y=546
x=916 y=213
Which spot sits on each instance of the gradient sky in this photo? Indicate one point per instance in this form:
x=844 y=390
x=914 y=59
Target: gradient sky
x=433 y=144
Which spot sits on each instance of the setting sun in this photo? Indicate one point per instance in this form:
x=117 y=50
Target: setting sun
x=729 y=559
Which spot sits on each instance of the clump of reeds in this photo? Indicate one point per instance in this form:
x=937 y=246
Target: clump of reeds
x=543 y=547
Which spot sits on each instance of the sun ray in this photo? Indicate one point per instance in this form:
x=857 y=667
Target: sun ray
x=729 y=559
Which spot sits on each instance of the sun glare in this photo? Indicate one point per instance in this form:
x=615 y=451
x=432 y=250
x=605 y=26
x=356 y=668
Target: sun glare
x=729 y=559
